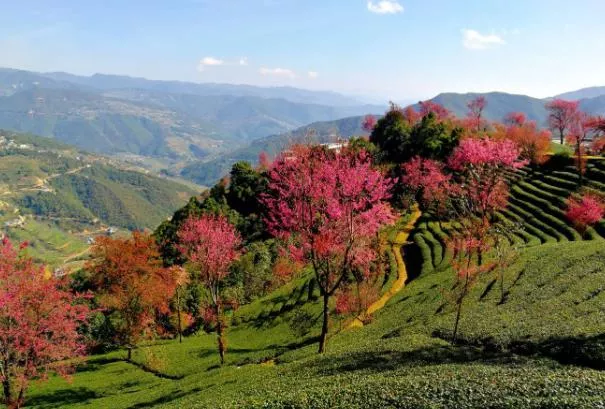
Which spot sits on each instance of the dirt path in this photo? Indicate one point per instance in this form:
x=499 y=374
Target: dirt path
x=402 y=274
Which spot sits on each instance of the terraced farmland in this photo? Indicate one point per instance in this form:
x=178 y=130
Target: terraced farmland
x=537 y=203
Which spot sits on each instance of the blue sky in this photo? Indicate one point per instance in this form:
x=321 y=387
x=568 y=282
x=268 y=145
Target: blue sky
x=400 y=50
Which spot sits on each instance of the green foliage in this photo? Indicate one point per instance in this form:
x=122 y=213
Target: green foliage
x=399 y=141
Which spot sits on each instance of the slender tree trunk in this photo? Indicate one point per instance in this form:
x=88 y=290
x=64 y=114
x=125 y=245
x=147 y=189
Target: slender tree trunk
x=220 y=332
x=580 y=164
x=129 y=356
x=501 y=285
x=458 y=312
x=8 y=397
x=178 y=307
x=326 y=324
x=562 y=136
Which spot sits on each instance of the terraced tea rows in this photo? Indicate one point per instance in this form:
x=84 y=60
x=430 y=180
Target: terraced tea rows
x=537 y=204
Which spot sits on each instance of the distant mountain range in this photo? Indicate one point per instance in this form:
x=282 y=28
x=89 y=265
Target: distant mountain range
x=199 y=130
x=169 y=121
x=498 y=105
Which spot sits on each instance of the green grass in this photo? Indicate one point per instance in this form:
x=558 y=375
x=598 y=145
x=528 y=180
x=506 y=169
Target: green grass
x=514 y=354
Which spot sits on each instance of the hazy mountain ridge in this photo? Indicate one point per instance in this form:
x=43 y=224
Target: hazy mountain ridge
x=165 y=123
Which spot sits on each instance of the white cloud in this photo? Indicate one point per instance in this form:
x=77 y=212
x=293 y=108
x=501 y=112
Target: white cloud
x=243 y=61
x=473 y=40
x=313 y=74
x=209 y=62
x=278 y=72
x=385 y=7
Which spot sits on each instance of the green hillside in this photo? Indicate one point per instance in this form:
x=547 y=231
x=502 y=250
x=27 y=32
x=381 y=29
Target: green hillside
x=542 y=346
x=57 y=197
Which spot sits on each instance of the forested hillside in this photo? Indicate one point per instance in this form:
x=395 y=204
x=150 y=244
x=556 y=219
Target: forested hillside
x=47 y=188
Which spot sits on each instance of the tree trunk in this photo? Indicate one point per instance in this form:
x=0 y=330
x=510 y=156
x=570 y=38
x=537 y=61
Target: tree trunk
x=562 y=136
x=501 y=285
x=178 y=304
x=8 y=398
x=129 y=356
x=220 y=332
x=326 y=324
x=454 y=336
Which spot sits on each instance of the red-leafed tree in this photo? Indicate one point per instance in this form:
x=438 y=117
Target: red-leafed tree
x=515 y=119
x=132 y=286
x=427 y=179
x=598 y=142
x=328 y=206
x=427 y=107
x=561 y=115
x=534 y=143
x=211 y=244
x=585 y=211
x=39 y=320
x=475 y=113
x=480 y=165
x=368 y=123
x=580 y=130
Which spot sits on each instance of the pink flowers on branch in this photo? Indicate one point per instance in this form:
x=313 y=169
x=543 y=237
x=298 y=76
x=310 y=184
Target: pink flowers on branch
x=211 y=244
x=585 y=211
x=328 y=206
x=38 y=325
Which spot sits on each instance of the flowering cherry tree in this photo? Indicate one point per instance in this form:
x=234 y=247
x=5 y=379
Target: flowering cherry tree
x=561 y=115
x=427 y=107
x=585 y=211
x=211 y=244
x=480 y=164
x=38 y=325
x=328 y=206
x=475 y=113
x=580 y=131
x=533 y=143
x=368 y=123
x=427 y=177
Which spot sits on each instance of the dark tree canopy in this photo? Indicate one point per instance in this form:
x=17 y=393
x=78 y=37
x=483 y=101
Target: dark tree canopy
x=398 y=140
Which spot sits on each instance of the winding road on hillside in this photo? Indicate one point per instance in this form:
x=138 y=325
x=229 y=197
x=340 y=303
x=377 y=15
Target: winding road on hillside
x=402 y=274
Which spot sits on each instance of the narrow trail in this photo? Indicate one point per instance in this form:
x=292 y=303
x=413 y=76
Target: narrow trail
x=402 y=274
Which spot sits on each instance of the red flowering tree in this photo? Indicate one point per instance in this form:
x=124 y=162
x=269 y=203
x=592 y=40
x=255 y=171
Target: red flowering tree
x=480 y=165
x=515 y=119
x=368 y=124
x=427 y=178
x=328 y=206
x=585 y=211
x=561 y=115
x=38 y=325
x=211 y=244
x=427 y=107
x=132 y=285
x=475 y=113
x=533 y=143
x=580 y=131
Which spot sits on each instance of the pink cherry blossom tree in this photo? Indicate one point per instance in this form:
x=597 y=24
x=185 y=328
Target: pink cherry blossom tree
x=328 y=206
x=561 y=115
x=585 y=211
x=39 y=320
x=211 y=244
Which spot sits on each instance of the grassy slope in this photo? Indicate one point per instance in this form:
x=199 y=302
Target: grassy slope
x=399 y=360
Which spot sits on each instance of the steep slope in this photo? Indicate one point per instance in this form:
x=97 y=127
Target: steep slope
x=56 y=196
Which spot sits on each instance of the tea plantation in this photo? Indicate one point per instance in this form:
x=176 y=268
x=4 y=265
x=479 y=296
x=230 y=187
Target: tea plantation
x=542 y=346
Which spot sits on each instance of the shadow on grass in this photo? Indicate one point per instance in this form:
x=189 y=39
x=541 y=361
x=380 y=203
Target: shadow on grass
x=61 y=397
x=165 y=399
x=94 y=364
x=586 y=352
